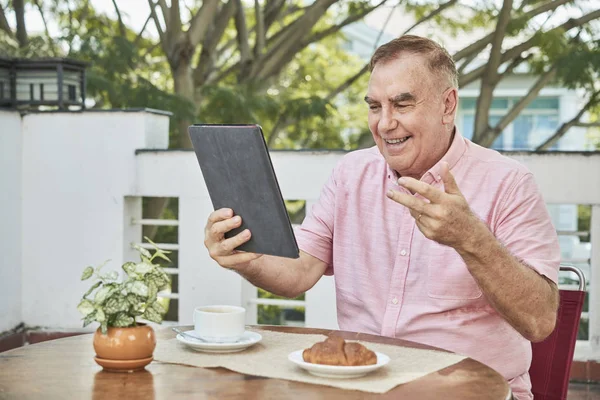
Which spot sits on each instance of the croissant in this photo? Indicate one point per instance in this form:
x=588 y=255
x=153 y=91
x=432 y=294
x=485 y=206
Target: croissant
x=336 y=351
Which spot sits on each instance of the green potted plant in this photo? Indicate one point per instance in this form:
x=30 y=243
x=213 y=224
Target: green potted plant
x=122 y=342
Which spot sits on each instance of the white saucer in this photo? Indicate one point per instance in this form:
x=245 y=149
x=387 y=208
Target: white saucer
x=336 y=371
x=248 y=339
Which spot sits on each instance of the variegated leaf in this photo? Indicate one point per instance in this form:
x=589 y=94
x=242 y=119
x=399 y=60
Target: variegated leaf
x=102 y=294
x=159 y=308
x=138 y=288
x=152 y=315
x=100 y=316
x=116 y=304
x=123 y=320
x=152 y=291
x=85 y=307
x=89 y=319
x=92 y=288
x=87 y=273
x=144 y=252
x=132 y=298
x=143 y=268
x=129 y=268
x=111 y=276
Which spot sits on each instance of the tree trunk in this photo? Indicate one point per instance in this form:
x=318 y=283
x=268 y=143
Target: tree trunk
x=19 y=7
x=183 y=83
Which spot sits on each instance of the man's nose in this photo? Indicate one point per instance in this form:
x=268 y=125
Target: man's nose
x=387 y=122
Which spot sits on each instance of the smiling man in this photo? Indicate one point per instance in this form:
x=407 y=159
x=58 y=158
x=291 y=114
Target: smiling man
x=431 y=238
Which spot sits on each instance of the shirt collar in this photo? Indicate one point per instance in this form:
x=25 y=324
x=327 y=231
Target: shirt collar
x=452 y=156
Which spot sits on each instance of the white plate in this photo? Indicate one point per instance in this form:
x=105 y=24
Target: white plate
x=335 y=371
x=248 y=339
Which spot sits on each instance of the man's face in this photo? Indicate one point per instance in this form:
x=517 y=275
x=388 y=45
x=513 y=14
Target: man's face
x=411 y=114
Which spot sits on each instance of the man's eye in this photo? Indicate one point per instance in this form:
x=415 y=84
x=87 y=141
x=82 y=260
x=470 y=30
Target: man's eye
x=400 y=105
x=374 y=107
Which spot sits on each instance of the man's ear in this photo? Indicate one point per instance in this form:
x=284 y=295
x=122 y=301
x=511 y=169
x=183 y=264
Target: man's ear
x=450 y=99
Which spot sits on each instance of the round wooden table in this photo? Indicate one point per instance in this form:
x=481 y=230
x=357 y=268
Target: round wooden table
x=65 y=369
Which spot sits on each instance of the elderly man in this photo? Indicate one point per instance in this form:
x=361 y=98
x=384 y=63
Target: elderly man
x=431 y=237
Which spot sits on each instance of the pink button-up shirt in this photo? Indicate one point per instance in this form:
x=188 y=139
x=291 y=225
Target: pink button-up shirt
x=393 y=281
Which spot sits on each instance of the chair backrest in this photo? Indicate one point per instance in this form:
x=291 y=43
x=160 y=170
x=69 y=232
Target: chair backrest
x=553 y=357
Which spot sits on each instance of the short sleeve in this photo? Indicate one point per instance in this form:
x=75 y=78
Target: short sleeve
x=524 y=227
x=315 y=234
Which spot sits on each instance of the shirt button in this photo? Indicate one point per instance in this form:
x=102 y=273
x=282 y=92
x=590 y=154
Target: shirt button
x=403 y=252
x=395 y=300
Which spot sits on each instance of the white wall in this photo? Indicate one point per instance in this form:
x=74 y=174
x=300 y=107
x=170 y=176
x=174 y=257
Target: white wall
x=10 y=217
x=77 y=168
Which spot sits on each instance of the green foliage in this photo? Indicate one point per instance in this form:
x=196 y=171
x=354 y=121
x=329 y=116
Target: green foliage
x=298 y=97
x=119 y=304
x=272 y=315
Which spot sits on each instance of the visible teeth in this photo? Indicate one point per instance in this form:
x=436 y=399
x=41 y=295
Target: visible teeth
x=394 y=141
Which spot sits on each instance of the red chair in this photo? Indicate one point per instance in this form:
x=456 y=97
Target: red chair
x=552 y=358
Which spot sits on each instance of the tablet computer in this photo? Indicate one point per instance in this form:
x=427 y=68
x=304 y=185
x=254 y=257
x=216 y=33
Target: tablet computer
x=238 y=173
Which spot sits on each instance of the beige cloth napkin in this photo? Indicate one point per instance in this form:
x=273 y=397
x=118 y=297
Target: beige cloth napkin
x=269 y=358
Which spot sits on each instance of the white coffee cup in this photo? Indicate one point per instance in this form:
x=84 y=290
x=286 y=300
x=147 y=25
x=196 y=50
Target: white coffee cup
x=219 y=324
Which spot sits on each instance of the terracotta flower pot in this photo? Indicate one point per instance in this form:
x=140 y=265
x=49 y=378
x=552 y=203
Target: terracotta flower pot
x=125 y=349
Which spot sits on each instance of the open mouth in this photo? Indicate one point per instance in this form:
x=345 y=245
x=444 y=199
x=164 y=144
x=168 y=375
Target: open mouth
x=397 y=141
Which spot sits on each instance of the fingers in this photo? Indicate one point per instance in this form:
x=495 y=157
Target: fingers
x=219 y=215
x=225 y=254
x=220 y=249
x=429 y=192
x=450 y=185
x=413 y=203
x=218 y=229
x=227 y=246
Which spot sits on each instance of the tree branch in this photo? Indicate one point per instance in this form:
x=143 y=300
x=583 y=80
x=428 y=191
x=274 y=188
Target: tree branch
x=284 y=121
x=300 y=27
x=174 y=21
x=50 y=40
x=588 y=124
x=478 y=46
x=243 y=39
x=384 y=26
x=260 y=30
x=347 y=83
x=165 y=12
x=277 y=128
x=466 y=63
x=432 y=14
x=120 y=19
x=528 y=44
x=207 y=57
x=271 y=12
x=161 y=34
x=202 y=20
x=490 y=135
x=569 y=124
x=4 y=23
x=490 y=75
x=136 y=42
x=19 y=8
x=349 y=20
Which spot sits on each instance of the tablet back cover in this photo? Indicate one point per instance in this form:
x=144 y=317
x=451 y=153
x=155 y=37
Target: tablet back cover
x=239 y=175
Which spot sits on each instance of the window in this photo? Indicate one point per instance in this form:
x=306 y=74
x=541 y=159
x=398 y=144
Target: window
x=536 y=123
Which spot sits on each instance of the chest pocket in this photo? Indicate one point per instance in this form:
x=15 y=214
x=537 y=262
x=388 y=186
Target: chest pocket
x=448 y=276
